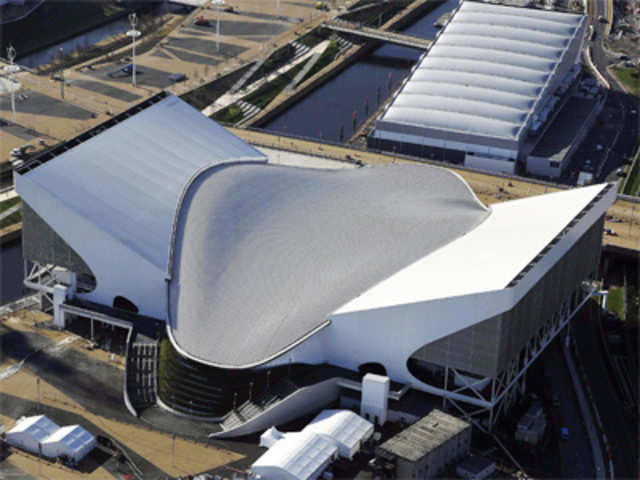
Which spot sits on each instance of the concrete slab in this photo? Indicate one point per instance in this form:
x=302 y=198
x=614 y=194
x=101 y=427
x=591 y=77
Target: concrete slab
x=32 y=102
x=106 y=89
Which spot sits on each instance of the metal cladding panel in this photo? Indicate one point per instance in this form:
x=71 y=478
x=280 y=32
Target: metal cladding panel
x=128 y=179
x=487 y=347
x=521 y=48
x=547 y=296
x=41 y=243
x=265 y=253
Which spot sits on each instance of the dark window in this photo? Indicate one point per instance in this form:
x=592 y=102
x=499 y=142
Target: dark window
x=122 y=303
x=372 y=367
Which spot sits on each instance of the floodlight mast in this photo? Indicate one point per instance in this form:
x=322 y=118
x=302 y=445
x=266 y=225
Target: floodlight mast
x=218 y=4
x=133 y=33
x=11 y=69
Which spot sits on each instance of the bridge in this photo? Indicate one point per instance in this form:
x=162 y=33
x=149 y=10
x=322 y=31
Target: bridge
x=358 y=30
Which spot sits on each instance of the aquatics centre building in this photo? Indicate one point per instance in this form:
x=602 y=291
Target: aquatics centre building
x=275 y=286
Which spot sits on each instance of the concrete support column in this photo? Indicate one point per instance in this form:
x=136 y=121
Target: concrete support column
x=59 y=297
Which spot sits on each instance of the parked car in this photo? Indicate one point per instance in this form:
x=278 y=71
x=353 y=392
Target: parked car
x=177 y=77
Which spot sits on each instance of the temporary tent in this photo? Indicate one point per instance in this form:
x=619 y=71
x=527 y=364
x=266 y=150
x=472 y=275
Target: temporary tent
x=31 y=431
x=72 y=441
x=270 y=437
x=297 y=456
x=345 y=428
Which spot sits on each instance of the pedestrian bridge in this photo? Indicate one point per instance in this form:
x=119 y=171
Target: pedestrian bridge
x=377 y=34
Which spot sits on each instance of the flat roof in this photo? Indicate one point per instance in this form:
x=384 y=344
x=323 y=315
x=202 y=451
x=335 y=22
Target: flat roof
x=485 y=71
x=559 y=137
x=264 y=253
x=424 y=436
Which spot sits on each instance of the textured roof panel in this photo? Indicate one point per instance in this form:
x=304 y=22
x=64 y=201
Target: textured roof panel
x=265 y=253
x=489 y=67
x=127 y=180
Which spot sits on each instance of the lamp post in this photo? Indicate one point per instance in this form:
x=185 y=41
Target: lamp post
x=133 y=33
x=11 y=69
x=218 y=4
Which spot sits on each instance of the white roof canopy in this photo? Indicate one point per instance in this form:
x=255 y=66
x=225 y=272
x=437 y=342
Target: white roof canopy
x=298 y=456
x=39 y=427
x=485 y=71
x=347 y=429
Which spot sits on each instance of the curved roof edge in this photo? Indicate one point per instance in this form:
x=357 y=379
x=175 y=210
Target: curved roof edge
x=183 y=194
x=264 y=361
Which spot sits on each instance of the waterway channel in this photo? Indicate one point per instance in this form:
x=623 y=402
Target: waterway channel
x=83 y=40
x=11 y=272
x=329 y=108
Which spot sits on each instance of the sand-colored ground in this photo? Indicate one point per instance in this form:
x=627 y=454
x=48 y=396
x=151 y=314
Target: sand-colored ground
x=197 y=60
x=190 y=457
x=25 y=320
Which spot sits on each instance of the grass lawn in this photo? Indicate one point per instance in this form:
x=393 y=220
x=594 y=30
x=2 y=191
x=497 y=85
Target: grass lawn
x=230 y=114
x=325 y=59
x=267 y=92
x=630 y=78
x=7 y=204
x=632 y=182
x=615 y=303
x=15 y=217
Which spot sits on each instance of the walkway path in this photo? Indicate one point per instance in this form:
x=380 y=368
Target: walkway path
x=230 y=98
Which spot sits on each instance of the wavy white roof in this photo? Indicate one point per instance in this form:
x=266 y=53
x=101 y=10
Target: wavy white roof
x=264 y=253
x=485 y=71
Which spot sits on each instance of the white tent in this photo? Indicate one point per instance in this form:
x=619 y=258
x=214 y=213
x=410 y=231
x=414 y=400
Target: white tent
x=72 y=441
x=30 y=431
x=343 y=427
x=270 y=437
x=297 y=456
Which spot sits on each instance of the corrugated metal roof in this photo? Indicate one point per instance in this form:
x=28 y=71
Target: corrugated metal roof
x=427 y=434
x=485 y=71
x=128 y=179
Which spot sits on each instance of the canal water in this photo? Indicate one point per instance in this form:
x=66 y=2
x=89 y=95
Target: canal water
x=332 y=106
x=11 y=272
x=49 y=54
x=86 y=39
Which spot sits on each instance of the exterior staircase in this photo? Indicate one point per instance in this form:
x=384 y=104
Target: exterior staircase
x=251 y=408
x=141 y=374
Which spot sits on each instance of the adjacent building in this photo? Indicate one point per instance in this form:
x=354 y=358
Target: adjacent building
x=429 y=446
x=494 y=77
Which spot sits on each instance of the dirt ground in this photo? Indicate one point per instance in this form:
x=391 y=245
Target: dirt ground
x=155 y=447
x=25 y=320
x=190 y=457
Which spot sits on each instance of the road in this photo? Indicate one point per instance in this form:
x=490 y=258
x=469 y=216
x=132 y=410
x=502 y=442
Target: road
x=575 y=454
x=618 y=423
x=619 y=103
